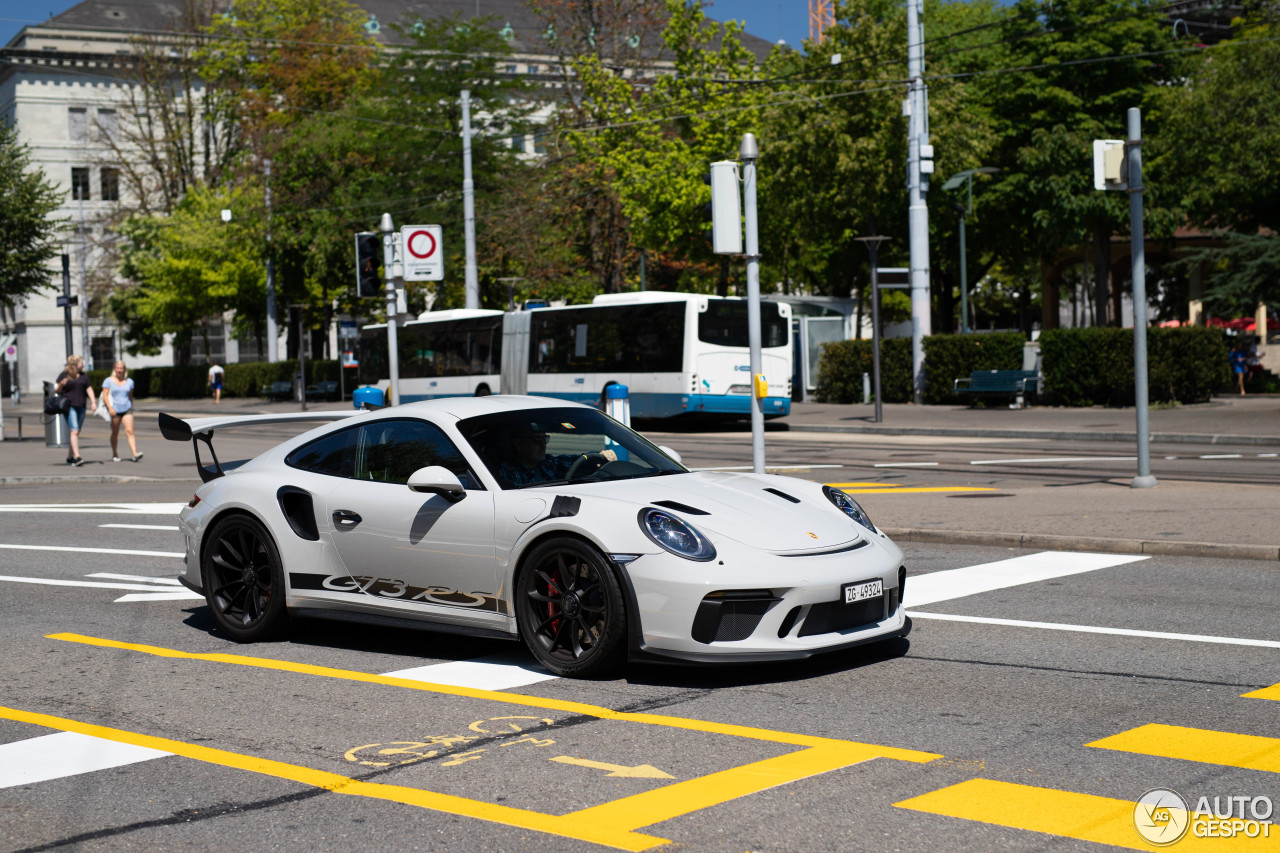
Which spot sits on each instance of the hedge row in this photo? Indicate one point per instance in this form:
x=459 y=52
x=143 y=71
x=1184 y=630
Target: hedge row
x=241 y=380
x=1081 y=367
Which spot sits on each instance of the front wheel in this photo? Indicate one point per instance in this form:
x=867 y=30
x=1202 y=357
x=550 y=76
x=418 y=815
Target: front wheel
x=244 y=579
x=569 y=608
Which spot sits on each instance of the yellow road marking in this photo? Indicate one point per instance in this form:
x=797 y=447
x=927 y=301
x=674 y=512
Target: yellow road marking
x=1062 y=813
x=639 y=771
x=903 y=490
x=498 y=696
x=1272 y=692
x=681 y=798
x=577 y=828
x=1203 y=745
x=862 y=485
x=614 y=820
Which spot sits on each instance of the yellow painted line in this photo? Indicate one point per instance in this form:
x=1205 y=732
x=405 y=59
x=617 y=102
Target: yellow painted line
x=1272 y=692
x=580 y=829
x=902 y=490
x=703 y=792
x=1062 y=813
x=1203 y=745
x=498 y=696
x=862 y=485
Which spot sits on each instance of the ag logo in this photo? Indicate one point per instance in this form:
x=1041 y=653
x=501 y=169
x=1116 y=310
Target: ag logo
x=1161 y=816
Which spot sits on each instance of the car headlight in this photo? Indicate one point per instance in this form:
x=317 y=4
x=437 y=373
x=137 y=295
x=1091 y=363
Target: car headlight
x=676 y=535
x=849 y=507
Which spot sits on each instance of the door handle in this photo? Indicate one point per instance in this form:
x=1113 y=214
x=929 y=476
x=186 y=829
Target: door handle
x=345 y=519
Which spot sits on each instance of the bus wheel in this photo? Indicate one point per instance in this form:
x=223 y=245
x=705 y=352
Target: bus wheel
x=483 y=391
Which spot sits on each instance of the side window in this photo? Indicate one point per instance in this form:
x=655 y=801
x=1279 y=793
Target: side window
x=389 y=451
x=334 y=455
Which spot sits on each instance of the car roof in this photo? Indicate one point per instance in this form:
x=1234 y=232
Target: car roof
x=461 y=408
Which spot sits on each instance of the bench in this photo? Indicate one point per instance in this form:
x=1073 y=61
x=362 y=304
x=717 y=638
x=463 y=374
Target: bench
x=326 y=390
x=281 y=390
x=1018 y=384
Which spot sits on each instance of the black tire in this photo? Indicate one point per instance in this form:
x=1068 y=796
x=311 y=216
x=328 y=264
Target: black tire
x=244 y=579
x=569 y=608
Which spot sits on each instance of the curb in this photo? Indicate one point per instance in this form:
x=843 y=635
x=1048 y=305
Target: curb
x=1049 y=541
x=91 y=478
x=1047 y=434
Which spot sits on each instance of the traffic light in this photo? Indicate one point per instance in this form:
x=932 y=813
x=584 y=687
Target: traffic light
x=368 y=265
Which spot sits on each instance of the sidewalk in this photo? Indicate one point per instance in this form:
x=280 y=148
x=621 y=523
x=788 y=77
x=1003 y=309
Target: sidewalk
x=1182 y=518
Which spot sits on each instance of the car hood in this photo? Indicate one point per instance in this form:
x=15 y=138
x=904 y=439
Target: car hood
x=740 y=507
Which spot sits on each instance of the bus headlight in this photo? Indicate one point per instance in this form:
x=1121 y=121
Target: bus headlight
x=849 y=507
x=675 y=535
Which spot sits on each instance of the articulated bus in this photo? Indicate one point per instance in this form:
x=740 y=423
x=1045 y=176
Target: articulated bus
x=677 y=353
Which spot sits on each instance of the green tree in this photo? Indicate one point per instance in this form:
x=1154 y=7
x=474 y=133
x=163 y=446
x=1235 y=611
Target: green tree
x=27 y=231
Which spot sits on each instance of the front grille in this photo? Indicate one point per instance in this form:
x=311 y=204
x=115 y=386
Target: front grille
x=832 y=616
x=722 y=618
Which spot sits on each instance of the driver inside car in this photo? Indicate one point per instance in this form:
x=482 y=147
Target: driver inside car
x=528 y=462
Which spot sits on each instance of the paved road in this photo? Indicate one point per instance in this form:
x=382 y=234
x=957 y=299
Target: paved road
x=1037 y=698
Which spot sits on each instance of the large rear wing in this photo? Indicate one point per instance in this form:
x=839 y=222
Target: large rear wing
x=197 y=430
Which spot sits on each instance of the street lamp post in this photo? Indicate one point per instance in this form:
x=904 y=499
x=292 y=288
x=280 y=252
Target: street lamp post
x=965 y=177
x=873 y=246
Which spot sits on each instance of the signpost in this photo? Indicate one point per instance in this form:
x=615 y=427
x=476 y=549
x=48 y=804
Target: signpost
x=423 y=252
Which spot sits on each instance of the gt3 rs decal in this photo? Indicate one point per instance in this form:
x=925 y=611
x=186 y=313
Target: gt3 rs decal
x=399 y=590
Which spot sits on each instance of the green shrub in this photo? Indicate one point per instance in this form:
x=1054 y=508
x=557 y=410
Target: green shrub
x=1086 y=367
x=842 y=363
x=951 y=357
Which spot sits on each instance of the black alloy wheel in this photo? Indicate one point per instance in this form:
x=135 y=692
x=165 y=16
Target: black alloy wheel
x=569 y=608
x=243 y=579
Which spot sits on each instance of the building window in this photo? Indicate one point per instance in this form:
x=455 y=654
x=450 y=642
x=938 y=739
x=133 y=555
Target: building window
x=539 y=143
x=217 y=344
x=78 y=124
x=250 y=351
x=110 y=184
x=80 y=182
x=103 y=351
x=106 y=124
x=517 y=143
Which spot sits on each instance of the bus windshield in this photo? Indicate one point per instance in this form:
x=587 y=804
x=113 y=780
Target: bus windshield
x=725 y=323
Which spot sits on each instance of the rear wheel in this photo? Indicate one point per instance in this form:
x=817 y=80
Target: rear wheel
x=244 y=579
x=569 y=608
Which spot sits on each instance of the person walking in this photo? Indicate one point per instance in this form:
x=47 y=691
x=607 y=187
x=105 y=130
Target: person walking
x=74 y=384
x=117 y=392
x=216 y=374
x=1239 y=363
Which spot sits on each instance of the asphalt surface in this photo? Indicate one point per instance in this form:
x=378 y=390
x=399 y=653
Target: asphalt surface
x=1179 y=517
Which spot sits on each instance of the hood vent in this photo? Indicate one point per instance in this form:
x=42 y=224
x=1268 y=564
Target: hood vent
x=679 y=507
x=783 y=495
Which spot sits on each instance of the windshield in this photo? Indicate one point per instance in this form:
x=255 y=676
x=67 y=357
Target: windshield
x=544 y=447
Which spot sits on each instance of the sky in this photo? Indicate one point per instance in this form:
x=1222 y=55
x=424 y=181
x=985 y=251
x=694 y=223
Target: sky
x=768 y=19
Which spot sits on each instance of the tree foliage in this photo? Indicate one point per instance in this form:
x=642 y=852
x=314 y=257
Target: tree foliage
x=28 y=233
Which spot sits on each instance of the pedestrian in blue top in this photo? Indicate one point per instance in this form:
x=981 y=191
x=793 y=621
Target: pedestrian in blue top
x=117 y=391
x=1239 y=363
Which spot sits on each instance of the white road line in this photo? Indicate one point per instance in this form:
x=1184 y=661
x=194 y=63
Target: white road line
x=54 y=756
x=137 y=587
x=1093 y=629
x=177 y=595
x=498 y=672
x=1221 y=456
x=79 y=550
x=985 y=577
x=904 y=464
x=1052 y=459
x=144 y=578
x=143 y=526
x=113 y=509
x=1268 y=455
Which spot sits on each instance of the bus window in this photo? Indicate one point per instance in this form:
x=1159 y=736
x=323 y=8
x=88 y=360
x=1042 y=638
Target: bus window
x=725 y=323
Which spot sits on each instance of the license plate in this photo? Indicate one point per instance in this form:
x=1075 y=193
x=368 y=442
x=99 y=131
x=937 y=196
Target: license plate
x=862 y=590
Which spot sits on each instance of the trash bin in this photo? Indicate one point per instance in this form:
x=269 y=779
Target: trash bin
x=57 y=432
x=367 y=394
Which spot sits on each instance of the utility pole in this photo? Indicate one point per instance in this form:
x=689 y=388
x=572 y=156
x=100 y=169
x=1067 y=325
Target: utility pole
x=273 y=345
x=1144 y=480
x=750 y=152
x=919 y=167
x=469 y=205
x=84 y=291
x=393 y=343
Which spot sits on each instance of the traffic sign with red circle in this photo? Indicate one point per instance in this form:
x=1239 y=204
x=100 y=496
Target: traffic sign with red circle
x=423 y=253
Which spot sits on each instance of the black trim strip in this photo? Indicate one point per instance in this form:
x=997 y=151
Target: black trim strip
x=861 y=543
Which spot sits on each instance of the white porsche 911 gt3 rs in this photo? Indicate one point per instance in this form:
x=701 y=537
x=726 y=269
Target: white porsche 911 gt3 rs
x=538 y=519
